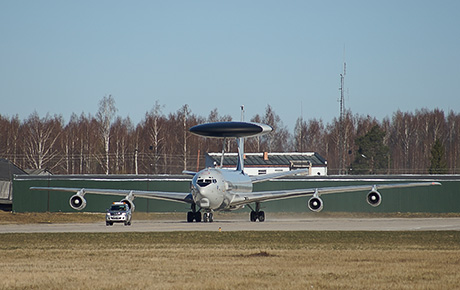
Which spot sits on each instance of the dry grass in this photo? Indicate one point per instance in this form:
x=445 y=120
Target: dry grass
x=229 y=260
x=47 y=217
x=76 y=217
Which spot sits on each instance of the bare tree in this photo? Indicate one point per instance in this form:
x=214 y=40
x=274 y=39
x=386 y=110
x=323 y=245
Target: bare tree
x=213 y=144
x=105 y=115
x=253 y=144
x=278 y=140
x=309 y=136
x=300 y=135
x=121 y=131
x=403 y=140
x=165 y=146
x=453 y=141
x=315 y=133
x=338 y=142
x=69 y=141
x=88 y=143
x=154 y=125
x=40 y=139
x=184 y=112
x=10 y=138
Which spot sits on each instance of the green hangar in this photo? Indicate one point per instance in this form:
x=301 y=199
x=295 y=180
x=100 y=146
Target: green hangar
x=432 y=199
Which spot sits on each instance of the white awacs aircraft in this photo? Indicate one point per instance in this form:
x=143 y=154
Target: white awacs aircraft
x=219 y=189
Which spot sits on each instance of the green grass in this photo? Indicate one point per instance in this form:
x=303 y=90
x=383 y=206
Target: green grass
x=436 y=240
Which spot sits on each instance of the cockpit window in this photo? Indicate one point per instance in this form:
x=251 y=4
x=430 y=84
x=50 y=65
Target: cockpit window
x=204 y=182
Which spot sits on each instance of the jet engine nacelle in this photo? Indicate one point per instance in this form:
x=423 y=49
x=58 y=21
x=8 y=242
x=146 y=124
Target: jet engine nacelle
x=315 y=204
x=129 y=201
x=78 y=200
x=374 y=198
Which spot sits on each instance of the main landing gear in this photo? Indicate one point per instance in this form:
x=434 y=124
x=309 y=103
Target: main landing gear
x=195 y=215
x=256 y=214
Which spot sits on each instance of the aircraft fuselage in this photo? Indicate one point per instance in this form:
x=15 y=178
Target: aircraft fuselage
x=216 y=188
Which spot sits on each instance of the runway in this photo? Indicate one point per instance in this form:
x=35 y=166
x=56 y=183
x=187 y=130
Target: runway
x=280 y=224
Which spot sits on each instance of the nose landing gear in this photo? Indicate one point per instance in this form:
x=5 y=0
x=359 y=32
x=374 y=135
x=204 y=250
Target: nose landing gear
x=195 y=215
x=208 y=217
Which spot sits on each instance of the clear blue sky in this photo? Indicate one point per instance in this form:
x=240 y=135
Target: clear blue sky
x=60 y=57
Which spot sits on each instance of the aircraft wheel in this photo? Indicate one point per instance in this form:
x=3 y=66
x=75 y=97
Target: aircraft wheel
x=208 y=217
x=190 y=217
x=253 y=216
x=261 y=216
x=198 y=217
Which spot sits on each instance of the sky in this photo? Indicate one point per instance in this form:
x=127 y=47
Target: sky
x=63 y=57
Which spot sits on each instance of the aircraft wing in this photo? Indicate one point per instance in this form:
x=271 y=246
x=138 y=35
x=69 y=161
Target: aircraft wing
x=283 y=194
x=188 y=172
x=185 y=197
x=265 y=177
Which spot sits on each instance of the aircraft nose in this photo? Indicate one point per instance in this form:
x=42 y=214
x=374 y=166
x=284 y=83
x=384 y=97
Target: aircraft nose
x=202 y=196
x=200 y=188
x=202 y=191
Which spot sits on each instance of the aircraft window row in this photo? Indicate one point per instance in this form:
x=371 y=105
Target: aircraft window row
x=205 y=182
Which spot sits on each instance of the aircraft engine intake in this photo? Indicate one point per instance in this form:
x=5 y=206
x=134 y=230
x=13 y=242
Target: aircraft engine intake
x=130 y=203
x=315 y=204
x=374 y=198
x=77 y=201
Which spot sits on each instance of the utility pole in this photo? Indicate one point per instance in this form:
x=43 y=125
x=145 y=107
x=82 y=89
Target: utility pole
x=301 y=127
x=342 y=121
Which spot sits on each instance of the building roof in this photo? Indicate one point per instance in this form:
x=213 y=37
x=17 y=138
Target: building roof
x=274 y=159
x=43 y=171
x=8 y=169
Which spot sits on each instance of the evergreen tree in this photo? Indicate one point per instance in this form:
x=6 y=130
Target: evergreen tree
x=372 y=154
x=438 y=160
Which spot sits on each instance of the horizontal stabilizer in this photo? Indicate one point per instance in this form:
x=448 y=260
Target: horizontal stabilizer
x=230 y=129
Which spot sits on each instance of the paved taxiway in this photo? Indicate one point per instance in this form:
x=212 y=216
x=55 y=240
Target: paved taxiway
x=302 y=224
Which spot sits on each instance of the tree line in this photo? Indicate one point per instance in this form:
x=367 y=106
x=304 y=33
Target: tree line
x=420 y=142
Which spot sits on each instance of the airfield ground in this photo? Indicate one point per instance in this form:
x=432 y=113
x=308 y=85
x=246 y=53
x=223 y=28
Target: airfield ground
x=7 y=217
x=379 y=259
